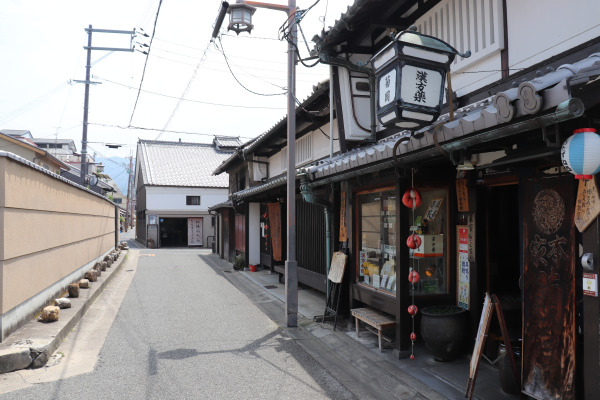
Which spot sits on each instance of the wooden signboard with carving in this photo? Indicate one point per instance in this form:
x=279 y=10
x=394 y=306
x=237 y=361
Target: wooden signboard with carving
x=588 y=204
x=343 y=226
x=549 y=289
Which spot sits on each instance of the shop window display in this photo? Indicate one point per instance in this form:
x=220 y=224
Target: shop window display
x=377 y=250
x=429 y=258
x=377 y=264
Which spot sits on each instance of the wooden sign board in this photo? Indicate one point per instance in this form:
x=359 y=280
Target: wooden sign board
x=338 y=265
x=462 y=195
x=484 y=326
x=588 y=204
x=343 y=226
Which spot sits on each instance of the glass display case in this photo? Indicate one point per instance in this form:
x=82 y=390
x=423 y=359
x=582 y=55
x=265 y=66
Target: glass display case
x=429 y=258
x=377 y=252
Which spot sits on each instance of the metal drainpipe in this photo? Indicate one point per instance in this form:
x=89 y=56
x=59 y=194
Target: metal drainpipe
x=309 y=196
x=340 y=62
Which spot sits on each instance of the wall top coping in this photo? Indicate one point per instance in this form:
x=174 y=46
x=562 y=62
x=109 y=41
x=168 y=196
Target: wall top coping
x=29 y=164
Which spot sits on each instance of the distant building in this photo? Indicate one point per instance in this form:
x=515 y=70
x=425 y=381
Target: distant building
x=175 y=188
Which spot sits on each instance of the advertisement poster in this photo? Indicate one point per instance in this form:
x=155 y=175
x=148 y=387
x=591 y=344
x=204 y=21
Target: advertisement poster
x=462 y=235
x=363 y=260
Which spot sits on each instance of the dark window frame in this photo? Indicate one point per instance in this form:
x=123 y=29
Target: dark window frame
x=191 y=200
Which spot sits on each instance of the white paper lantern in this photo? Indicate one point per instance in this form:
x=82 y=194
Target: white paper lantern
x=580 y=153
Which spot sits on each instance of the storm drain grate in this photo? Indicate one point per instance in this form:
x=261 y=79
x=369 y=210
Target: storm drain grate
x=270 y=287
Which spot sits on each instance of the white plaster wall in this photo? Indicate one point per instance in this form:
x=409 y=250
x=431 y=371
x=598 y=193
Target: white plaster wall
x=320 y=149
x=254 y=234
x=539 y=29
x=174 y=198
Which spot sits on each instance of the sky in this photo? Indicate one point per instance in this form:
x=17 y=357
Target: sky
x=183 y=89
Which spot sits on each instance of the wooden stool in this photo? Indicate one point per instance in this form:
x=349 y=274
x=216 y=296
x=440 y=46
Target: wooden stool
x=374 y=318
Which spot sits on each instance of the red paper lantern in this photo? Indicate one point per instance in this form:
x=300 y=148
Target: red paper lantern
x=412 y=198
x=412 y=309
x=412 y=356
x=413 y=241
x=413 y=336
x=413 y=276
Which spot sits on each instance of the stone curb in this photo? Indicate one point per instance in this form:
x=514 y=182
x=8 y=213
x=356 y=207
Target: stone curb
x=31 y=345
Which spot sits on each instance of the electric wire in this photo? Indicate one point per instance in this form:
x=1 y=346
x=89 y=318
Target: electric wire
x=185 y=92
x=32 y=104
x=131 y=127
x=222 y=50
x=193 y=101
x=145 y=62
x=311 y=117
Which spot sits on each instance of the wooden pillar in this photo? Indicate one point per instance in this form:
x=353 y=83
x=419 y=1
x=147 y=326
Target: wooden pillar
x=591 y=318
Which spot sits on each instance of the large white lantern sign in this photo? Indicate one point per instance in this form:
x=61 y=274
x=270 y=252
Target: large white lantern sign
x=411 y=73
x=580 y=153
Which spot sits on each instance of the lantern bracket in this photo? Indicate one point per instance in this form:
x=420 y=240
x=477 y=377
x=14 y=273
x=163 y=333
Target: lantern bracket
x=548 y=141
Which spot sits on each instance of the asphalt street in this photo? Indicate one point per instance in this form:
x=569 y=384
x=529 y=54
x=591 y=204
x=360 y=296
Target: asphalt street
x=173 y=326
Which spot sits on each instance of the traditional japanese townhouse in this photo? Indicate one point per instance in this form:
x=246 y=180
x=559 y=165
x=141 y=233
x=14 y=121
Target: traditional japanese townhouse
x=253 y=221
x=494 y=210
x=175 y=188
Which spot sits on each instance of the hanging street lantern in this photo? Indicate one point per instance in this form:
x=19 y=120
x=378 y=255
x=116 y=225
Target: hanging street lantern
x=240 y=17
x=411 y=74
x=580 y=153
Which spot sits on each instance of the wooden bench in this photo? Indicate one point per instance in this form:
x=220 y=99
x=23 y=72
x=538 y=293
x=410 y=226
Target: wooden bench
x=374 y=318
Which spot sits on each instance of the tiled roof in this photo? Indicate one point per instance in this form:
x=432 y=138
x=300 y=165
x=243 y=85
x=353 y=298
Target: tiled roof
x=539 y=102
x=320 y=89
x=227 y=142
x=181 y=164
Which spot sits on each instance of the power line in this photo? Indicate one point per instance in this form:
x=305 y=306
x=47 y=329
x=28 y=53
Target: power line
x=237 y=80
x=158 y=129
x=193 y=101
x=32 y=104
x=145 y=62
x=187 y=88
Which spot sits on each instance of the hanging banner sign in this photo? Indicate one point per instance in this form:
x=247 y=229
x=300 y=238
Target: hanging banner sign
x=462 y=195
x=343 y=227
x=462 y=235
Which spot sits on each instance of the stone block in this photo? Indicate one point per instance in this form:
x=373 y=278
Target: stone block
x=14 y=359
x=91 y=275
x=62 y=303
x=39 y=355
x=84 y=284
x=74 y=290
x=103 y=265
x=49 y=314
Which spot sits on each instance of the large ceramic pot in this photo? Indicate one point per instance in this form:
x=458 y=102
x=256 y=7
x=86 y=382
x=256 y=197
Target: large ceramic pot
x=443 y=330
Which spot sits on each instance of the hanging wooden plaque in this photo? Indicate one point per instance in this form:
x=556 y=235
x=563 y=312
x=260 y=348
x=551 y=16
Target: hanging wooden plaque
x=588 y=204
x=338 y=265
x=343 y=227
x=462 y=195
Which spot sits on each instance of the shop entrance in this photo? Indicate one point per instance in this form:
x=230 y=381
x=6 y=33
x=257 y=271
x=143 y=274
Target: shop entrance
x=173 y=232
x=504 y=270
x=504 y=233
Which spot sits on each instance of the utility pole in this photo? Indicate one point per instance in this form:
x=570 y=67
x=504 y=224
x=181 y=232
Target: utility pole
x=87 y=82
x=129 y=210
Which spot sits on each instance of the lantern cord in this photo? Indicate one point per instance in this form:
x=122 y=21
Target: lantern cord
x=450 y=99
x=412 y=342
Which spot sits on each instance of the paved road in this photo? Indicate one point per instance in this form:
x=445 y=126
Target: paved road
x=182 y=331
